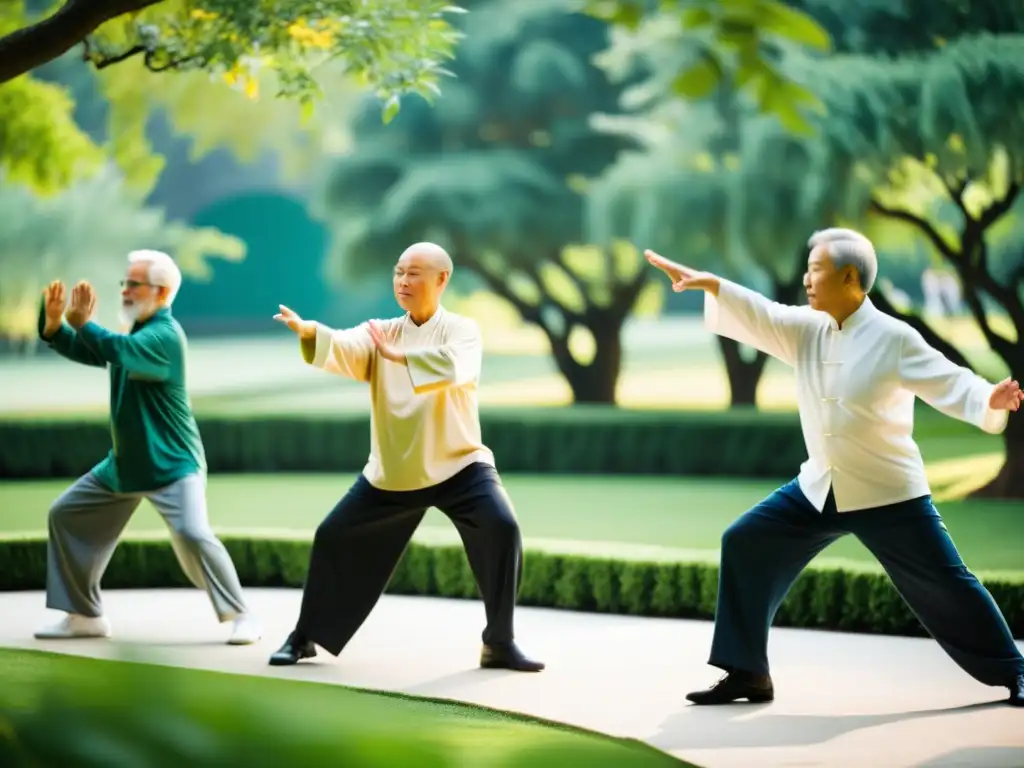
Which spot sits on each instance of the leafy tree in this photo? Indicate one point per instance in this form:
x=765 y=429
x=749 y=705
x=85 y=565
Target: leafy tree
x=41 y=145
x=958 y=166
x=731 y=43
x=497 y=171
x=84 y=232
x=392 y=46
x=784 y=184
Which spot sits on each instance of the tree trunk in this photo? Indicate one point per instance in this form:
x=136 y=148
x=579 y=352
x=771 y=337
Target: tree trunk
x=744 y=375
x=597 y=381
x=27 y=48
x=1009 y=483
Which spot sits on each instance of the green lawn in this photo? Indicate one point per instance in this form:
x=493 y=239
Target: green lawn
x=606 y=515
x=76 y=712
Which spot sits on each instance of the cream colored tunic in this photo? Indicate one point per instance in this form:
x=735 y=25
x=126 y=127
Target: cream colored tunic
x=424 y=417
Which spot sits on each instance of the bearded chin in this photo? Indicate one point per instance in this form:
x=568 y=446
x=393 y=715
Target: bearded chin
x=128 y=315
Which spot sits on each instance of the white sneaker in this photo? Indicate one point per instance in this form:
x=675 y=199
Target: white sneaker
x=75 y=626
x=245 y=631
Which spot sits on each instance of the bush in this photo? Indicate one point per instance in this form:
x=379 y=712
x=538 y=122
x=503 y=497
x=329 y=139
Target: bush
x=578 y=440
x=821 y=598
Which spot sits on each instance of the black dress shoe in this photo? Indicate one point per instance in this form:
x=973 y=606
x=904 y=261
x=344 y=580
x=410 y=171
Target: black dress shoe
x=295 y=648
x=508 y=657
x=1017 y=692
x=757 y=689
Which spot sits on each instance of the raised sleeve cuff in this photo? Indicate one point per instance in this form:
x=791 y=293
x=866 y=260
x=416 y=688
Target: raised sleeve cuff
x=987 y=419
x=322 y=351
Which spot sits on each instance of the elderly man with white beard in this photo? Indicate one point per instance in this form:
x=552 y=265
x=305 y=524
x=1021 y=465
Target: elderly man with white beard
x=157 y=453
x=858 y=371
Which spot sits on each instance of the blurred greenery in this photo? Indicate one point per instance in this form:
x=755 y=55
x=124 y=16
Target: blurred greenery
x=608 y=516
x=497 y=172
x=73 y=712
x=393 y=47
x=733 y=41
x=83 y=233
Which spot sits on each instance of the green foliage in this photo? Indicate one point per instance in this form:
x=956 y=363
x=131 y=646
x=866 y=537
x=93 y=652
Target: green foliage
x=579 y=440
x=121 y=713
x=822 y=598
x=215 y=116
x=40 y=143
x=720 y=40
x=497 y=172
x=393 y=47
x=84 y=232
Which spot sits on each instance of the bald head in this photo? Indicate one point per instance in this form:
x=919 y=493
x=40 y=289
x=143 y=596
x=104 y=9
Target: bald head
x=428 y=254
x=421 y=275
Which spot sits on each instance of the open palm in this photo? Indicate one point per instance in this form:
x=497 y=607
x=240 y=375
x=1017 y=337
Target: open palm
x=1007 y=396
x=305 y=329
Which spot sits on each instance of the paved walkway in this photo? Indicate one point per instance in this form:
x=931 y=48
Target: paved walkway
x=841 y=700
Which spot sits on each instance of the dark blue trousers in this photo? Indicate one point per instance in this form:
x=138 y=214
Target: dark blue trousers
x=765 y=550
x=358 y=545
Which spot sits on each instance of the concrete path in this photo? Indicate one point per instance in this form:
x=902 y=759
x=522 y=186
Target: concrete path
x=841 y=700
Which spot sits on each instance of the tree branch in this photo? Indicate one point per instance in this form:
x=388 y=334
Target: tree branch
x=34 y=45
x=914 y=321
x=926 y=228
x=102 y=62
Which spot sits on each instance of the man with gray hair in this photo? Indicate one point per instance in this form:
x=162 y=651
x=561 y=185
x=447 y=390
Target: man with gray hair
x=858 y=371
x=157 y=453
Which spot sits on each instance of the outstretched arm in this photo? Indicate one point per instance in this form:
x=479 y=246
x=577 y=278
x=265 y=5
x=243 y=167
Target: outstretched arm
x=748 y=317
x=738 y=313
x=346 y=353
x=146 y=354
x=952 y=389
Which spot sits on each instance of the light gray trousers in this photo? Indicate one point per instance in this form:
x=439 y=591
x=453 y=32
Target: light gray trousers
x=86 y=522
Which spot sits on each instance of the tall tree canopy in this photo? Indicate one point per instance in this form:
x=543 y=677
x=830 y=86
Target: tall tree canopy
x=497 y=173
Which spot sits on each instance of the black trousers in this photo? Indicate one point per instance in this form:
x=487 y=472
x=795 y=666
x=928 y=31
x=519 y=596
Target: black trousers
x=358 y=545
x=765 y=550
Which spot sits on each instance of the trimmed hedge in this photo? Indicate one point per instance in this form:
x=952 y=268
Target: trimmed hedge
x=820 y=599
x=578 y=440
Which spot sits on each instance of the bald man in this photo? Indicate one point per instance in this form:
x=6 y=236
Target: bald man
x=423 y=369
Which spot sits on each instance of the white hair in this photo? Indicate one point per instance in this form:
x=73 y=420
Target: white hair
x=847 y=247
x=162 y=270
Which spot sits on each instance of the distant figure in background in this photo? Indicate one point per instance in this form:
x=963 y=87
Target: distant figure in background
x=942 y=295
x=423 y=370
x=157 y=453
x=857 y=372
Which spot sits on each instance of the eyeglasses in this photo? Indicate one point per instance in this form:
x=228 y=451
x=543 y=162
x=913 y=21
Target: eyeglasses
x=134 y=284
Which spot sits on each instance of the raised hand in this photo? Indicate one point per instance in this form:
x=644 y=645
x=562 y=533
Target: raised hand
x=55 y=301
x=83 y=305
x=383 y=347
x=305 y=329
x=683 y=278
x=1007 y=396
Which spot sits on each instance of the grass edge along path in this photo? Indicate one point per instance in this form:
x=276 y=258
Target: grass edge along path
x=103 y=699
